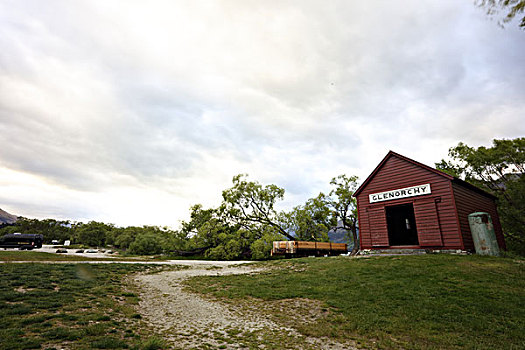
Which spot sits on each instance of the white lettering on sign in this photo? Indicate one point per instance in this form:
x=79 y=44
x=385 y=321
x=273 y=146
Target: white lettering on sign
x=400 y=193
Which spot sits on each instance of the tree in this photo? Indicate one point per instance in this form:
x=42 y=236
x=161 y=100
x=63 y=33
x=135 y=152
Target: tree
x=51 y=229
x=93 y=233
x=243 y=226
x=251 y=206
x=147 y=243
x=510 y=8
x=311 y=221
x=125 y=239
x=261 y=248
x=198 y=217
x=499 y=170
x=344 y=205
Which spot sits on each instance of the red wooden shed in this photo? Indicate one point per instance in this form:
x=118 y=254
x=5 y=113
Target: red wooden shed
x=404 y=204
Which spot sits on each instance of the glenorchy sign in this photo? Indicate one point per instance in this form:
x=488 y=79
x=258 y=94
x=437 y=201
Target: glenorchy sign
x=400 y=193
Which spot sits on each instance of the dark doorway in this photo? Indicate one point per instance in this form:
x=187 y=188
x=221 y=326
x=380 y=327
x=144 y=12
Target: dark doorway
x=401 y=224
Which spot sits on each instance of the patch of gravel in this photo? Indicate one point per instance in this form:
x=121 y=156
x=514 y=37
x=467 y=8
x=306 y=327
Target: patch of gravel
x=188 y=320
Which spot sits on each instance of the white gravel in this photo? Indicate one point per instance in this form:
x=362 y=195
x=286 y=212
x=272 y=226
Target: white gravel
x=188 y=320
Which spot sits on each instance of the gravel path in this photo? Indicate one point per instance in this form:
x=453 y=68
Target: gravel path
x=189 y=321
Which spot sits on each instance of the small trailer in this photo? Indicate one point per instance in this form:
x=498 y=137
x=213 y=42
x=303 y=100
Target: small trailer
x=305 y=248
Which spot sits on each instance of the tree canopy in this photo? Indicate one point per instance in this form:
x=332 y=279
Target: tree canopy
x=510 y=9
x=344 y=205
x=499 y=170
x=252 y=205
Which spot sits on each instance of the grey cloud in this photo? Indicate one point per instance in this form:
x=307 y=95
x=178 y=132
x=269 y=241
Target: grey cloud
x=94 y=94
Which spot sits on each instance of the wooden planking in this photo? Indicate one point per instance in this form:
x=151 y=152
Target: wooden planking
x=468 y=202
x=427 y=223
x=320 y=245
x=362 y=219
x=377 y=227
x=294 y=247
x=398 y=173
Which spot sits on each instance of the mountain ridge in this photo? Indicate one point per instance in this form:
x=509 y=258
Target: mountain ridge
x=6 y=218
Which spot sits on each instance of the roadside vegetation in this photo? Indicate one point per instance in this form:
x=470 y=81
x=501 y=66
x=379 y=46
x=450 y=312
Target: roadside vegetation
x=406 y=302
x=81 y=306
x=242 y=227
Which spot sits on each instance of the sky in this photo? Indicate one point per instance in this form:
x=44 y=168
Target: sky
x=129 y=112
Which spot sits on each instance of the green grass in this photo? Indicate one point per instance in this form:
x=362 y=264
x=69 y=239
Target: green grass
x=409 y=302
x=16 y=255
x=80 y=306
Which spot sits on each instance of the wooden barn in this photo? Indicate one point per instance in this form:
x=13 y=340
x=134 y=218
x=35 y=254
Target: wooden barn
x=404 y=204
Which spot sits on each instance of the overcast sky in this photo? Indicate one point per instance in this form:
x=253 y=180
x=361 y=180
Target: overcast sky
x=129 y=112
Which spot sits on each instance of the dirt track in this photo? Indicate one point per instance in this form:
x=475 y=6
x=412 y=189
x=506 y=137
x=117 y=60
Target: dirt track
x=188 y=320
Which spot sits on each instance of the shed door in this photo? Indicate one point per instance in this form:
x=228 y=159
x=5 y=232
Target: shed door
x=427 y=221
x=377 y=227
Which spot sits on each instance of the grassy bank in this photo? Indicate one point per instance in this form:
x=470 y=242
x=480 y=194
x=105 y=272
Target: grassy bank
x=69 y=306
x=16 y=255
x=410 y=302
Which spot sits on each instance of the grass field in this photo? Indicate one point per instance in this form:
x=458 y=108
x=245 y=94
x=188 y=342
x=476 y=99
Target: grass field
x=55 y=306
x=16 y=255
x=409 y=302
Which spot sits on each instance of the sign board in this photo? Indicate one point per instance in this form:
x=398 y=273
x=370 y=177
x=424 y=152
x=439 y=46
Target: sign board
x=66 y=243
x=419 y=190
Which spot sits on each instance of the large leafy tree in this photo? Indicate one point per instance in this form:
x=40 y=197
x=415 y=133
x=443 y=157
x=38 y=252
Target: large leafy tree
x=500 y=170
x=252 y=206
x=203 y=231
x=243 y=226
x=311 y=221
x=344 y=206
x=335 y=211
x=93 y=233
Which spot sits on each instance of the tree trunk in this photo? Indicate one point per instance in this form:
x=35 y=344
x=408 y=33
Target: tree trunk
x=355 y=249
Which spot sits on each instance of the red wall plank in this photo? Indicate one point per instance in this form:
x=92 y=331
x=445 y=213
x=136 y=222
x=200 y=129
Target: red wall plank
x=377 y=227
x=427 y=223
x=468 y=202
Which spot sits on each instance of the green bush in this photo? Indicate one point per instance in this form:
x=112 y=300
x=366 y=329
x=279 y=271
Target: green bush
x=146 y=244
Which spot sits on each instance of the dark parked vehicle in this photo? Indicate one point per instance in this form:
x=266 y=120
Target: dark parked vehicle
x=21 y=241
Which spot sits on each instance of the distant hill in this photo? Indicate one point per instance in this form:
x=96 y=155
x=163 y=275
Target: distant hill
x=6 y=218
x=338 y=236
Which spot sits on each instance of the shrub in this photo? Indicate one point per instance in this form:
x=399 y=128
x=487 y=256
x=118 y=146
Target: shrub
x=146 y=244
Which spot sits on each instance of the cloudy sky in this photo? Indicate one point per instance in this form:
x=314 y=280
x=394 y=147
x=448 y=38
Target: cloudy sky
x=128 y=112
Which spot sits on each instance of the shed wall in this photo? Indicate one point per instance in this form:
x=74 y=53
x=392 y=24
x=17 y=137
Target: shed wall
x=435 y=213
x=468 y=202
